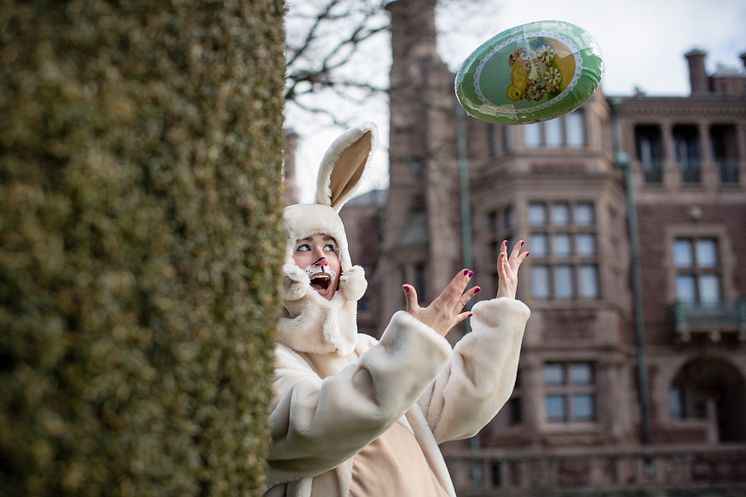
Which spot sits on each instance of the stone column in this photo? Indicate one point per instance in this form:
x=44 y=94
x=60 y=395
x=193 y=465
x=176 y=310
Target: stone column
x=741 y=144
x=671 y=171
x=629 y=146
x=532 y=392
x=709 y=174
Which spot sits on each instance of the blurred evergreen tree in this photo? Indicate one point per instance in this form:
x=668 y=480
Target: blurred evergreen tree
x=140 y=243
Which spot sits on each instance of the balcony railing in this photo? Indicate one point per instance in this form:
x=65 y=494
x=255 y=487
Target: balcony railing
x=728 y=170
x=597 y=471
x=714 y=319
x=652 y=171
x=690 y=171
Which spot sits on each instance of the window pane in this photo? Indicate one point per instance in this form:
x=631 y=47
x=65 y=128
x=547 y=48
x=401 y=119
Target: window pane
x=514 y=408
x=584 y=214
x=682 y=253
x=539 y=244
x=560 y=214
x=583 y=407
x=553 y=130
x=537 y=214
x=685 y=291
x=581 y=374
x=709 y=289
x=588 y=282
x=509 y=217
x=363 y=304
x=585 y=244
x=556 y=407
x=575 y=130
x=676 y=403
x=563 y=287
x=554 y=374
x=532 y=135
x=420 y=280
x=707 y=253
x=561 y=244
x=496 y=140
x=495 y=248
x=540 y=282
x=492 y=223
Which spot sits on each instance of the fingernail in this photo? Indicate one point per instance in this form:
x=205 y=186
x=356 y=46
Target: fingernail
x=405 y=288
x=522 y=242
x=466 y=272
x=471 y=273
x=528 y=253
x=471 y=314
x=477 y=290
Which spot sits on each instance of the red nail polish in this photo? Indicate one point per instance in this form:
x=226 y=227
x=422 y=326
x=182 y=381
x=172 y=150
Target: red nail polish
x=471 y=273
x=466 y=272
x=522 y=243
x=477 y=290
x=406 y=289
x=528 y=253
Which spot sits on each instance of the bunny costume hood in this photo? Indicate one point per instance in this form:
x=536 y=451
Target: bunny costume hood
x=311 y=323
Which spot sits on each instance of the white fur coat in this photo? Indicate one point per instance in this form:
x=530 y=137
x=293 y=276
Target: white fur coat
x=319 y=424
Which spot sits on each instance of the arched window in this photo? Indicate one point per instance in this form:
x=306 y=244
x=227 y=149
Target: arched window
x=710 y=390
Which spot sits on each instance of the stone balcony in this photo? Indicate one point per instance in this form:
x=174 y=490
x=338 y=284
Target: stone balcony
x=662 y=470
x=714 y=320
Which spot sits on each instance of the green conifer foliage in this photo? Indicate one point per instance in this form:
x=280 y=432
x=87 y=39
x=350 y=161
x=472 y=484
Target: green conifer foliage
x=140 y=243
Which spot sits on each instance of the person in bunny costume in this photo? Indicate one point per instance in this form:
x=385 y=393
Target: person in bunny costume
x=352 y=416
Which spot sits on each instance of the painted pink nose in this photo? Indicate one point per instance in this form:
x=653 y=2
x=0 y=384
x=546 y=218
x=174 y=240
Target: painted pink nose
x=321 y=262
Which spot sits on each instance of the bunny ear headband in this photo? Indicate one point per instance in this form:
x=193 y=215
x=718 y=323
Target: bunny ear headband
x=343 y=165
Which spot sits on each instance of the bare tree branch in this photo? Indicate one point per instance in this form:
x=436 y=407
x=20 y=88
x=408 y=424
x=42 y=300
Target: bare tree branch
x=322 y=111
x=318 y=62
x=320 y=18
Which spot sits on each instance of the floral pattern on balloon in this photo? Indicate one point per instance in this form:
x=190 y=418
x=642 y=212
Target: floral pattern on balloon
x=535 y=74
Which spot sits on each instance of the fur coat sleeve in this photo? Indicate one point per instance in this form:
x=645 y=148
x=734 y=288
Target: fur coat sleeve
x=317 y=424
x=480 y=378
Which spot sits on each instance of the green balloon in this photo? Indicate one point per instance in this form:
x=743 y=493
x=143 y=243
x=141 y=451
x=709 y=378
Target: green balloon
x=530 y=73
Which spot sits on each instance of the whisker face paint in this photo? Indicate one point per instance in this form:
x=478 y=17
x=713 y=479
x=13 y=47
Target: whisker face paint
x=314 y=271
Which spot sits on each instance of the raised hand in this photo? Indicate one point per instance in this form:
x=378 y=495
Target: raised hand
x=507 y=268
x=445 y=311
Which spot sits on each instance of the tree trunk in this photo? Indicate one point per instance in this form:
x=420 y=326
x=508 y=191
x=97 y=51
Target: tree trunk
x=140 y=243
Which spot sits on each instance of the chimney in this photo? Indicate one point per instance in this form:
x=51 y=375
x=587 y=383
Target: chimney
x=700 y=83
x=412 y=29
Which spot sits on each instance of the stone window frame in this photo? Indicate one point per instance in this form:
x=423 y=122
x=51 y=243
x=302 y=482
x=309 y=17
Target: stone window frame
x=568 y=390
x=563 y=120
x=573 y=260
x=697 y=231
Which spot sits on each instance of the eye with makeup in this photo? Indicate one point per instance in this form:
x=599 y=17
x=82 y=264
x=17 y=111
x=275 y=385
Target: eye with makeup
x=303 y=247
x=330 y=247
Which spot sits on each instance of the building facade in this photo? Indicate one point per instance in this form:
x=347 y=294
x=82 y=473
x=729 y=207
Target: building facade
x=633 y=369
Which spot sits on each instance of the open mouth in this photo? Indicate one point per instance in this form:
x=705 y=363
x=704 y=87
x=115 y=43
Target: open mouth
x=321 y=281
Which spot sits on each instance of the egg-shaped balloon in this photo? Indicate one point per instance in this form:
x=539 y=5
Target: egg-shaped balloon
x=530 y=73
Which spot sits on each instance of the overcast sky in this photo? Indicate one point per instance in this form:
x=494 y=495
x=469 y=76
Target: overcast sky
x=642 y=43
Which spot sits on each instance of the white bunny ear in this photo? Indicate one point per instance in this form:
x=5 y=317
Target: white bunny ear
x=343 y=165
